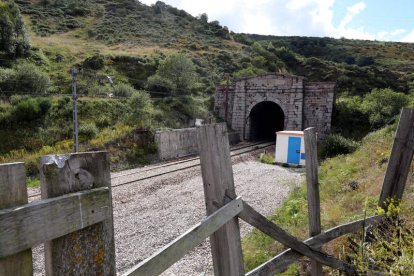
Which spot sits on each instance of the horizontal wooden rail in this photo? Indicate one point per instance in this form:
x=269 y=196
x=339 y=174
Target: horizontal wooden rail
x=257 y=220
x=174 y=251
x=280 y=262
x=28 y=225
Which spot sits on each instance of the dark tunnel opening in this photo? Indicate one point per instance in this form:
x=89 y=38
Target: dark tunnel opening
x=265 y=119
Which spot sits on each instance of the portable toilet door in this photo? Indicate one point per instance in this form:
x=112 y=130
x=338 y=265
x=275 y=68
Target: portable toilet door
x=290 y=148
x=294 y=144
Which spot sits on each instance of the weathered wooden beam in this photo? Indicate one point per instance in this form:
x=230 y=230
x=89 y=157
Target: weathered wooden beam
x=174 y=251
x=90 y=251
x=218 y=182
x=400 y=160
x=280 y=262
x=13 y=192
x=26 y=226
x=255 y=219
x=312 y=182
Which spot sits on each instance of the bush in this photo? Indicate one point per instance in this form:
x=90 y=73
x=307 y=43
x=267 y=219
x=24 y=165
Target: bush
x=365 y=61
x=248 y=72
x=26 y=79
x=336 y=144
x=30 y=79
x=44 y=104
x=88 y=131
x=27 y=110
x=95 y=63
x=6 y=83
x=141 y=109
x=159 y=84
x=350 y=119
x=388 y=247
x=382 y=106
x=267 y=158
x=123 y=90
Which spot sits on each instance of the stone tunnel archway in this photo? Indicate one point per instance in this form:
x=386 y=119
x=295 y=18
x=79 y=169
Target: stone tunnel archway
x=265 y=119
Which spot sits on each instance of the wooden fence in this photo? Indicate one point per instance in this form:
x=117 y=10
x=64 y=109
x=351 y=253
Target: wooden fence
x=74 y=217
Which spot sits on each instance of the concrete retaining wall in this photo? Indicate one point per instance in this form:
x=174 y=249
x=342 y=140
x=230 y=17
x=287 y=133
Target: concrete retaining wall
x=181 y=142
x=176 y=143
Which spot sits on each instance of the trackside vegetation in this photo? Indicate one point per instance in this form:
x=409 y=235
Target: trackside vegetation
x=350 y=185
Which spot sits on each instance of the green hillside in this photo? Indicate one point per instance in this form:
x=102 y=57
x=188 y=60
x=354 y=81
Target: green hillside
x=143 y=67
x=80 y=29
x=175 y=60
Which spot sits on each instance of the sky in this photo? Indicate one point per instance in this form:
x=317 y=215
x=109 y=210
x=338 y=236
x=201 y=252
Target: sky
x=385 y=20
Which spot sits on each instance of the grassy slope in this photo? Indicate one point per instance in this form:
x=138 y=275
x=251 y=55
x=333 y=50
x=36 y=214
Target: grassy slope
x=340 y=202
x=126 y=28
x=130 y=35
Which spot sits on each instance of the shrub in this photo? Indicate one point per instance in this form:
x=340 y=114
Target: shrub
x=350 y=119
x=123 y=90
x=88 y=131
x=159 y=84
x=44 y=104
x=27 y=110
x=141 y=109
x=267 y=158
x=388 y=247
x=365 y=61
x=336 y=144
x=6 y=83
x=28 y=79
x=382 y=105
x=248 y=72
x=103 y=122
x=95 y=62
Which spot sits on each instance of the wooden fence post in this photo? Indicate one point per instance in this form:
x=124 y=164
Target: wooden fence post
x=90 y=251
x=13 y=192
x=218 y=184
x=314 y=209
x=400 y=159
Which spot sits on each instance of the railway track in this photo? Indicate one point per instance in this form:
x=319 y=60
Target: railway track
x=140 y=174
x=184 y=159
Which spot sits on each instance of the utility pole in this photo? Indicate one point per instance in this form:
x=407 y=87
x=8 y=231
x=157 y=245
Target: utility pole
x=75 y=110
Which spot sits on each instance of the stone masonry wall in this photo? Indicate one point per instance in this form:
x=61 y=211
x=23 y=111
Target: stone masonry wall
x=303 y=104
x=319 y=99
x=220 y=101
x=284 y=90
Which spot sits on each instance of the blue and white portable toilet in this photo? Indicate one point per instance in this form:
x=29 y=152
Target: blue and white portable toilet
x=290 y=147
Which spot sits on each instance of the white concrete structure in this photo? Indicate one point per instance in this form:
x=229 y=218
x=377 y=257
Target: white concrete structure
x=290 y=148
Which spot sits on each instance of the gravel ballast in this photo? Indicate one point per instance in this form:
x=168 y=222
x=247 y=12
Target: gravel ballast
x=151 y=213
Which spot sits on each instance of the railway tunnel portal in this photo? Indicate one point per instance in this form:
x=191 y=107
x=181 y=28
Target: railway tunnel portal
x=257 y=107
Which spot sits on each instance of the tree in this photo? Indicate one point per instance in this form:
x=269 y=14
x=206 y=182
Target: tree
x=13 y=37
x=203 y=18
x=180 y=71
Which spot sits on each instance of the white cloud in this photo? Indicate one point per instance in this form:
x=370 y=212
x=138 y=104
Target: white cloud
x=409 y=37
x=351 y=12
x=283 y=17
x=397 y=32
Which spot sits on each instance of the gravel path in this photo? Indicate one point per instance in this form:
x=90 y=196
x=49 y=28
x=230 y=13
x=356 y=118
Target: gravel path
x=151 y=213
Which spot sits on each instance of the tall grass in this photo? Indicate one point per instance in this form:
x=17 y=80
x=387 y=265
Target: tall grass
x=349 y=188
